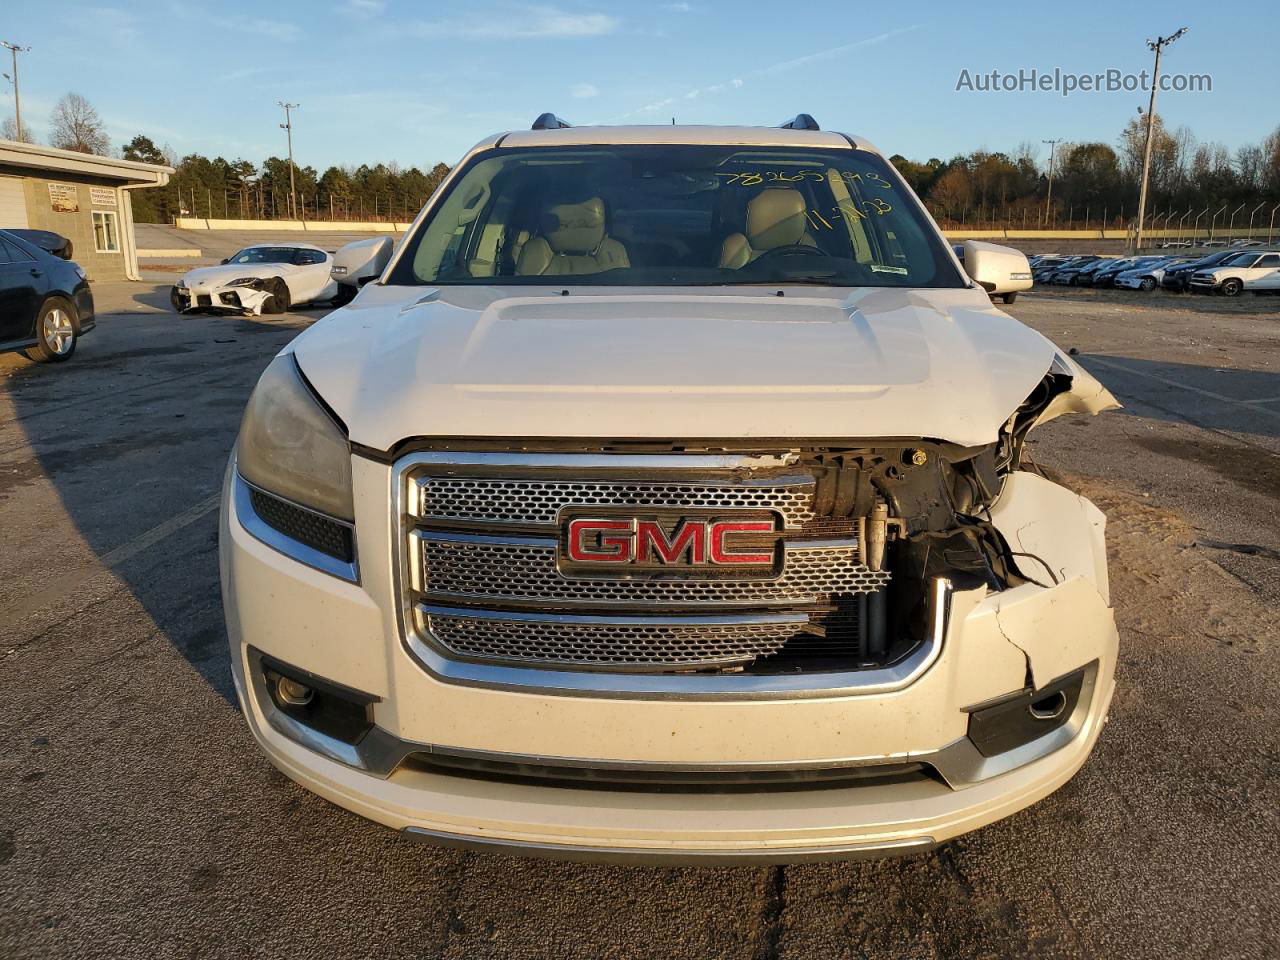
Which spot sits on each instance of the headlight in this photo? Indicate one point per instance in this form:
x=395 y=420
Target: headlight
x=245 y=282
x=290 y=446
x=339 y=271
x=1019 y=276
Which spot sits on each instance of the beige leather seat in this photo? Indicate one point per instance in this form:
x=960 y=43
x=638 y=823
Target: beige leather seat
x=775 y=218
x=572 y=241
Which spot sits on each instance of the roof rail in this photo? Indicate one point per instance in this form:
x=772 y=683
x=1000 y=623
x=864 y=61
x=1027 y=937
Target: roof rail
x=801 y=121
x=549 y=121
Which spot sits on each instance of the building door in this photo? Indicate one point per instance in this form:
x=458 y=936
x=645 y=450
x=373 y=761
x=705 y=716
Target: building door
x=13 y=204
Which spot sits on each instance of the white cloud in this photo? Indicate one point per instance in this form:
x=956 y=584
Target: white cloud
x=583 y=91
x=678 y=7
x=240 y=23
x=775 y=68
x=362 y=8
x=520 y=22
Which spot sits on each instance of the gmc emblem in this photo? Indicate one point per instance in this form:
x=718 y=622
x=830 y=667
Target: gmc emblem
x=636 y=542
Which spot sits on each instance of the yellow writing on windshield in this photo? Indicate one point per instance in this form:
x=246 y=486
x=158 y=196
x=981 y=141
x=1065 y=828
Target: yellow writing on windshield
x=761 y=178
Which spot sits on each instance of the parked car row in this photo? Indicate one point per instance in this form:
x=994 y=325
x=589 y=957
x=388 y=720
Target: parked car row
x=1229 y=272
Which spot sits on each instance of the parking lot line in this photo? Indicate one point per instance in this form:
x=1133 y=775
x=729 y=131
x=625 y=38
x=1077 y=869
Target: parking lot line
x=74 y=581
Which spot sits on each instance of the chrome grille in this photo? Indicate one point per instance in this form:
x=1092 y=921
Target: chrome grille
x=495 y=571
x=483 y=585
x=573 y=641
x=535 y=501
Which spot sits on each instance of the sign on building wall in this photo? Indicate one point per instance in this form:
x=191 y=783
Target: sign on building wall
x=64 y=198
x=102 y=196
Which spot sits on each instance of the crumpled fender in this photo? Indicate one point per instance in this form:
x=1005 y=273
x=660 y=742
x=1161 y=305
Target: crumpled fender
x=1087 y=394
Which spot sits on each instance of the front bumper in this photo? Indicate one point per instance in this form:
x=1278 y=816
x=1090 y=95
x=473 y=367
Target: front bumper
x=219 y=299
x=348 y=633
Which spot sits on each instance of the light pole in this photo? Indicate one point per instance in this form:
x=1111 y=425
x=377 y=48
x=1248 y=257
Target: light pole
x=1272 y=224
x=1180 y=220
x=14 y=49
x=1195 y=225
x=1053 y=146
x=1213 y=221
x=1231 y=225
x=1158 y=45
x=1251 y=213
x=287 y=126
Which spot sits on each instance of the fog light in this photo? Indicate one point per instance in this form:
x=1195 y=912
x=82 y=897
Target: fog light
x=293 y=693
x=1050 y=707
x=1023 y=717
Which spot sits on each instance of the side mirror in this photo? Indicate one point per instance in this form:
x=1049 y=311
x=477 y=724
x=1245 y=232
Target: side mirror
x=225 y=260
x=362 y=261
x=998 y=270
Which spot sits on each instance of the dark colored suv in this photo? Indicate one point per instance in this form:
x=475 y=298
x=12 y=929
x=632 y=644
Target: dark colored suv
x=1178 y=279
x=45 y=303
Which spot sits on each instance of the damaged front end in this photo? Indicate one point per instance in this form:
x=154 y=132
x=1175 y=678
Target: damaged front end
x=248 y=296
x=982 y=518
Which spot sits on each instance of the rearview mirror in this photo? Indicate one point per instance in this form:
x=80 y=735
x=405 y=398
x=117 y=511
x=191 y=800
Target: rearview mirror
x=364 y=260
x=1001 y=271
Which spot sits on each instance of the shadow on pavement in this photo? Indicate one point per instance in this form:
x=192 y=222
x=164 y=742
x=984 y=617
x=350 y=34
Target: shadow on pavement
x=1218 y=398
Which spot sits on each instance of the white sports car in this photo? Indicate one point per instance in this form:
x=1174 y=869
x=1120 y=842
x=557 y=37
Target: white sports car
x=263 y=278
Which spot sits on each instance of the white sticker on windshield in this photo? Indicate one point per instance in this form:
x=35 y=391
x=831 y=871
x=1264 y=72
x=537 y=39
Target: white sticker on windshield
x=881 y=268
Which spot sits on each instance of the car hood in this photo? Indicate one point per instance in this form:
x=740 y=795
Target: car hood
x=226 y=272
x=722 y=363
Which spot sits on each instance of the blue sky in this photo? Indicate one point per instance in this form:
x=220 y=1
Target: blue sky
x=418 y=82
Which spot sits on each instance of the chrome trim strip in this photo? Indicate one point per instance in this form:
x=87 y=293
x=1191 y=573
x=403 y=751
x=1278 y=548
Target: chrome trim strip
x=259 y=529
x=671 y=856
x=452 y=536
x=599 y=461
x=573 y=618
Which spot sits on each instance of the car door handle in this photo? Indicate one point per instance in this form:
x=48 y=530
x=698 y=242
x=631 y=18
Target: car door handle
x=37 y=273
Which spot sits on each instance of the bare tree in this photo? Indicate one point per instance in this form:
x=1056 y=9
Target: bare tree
x=9 y=131
x=77 y=126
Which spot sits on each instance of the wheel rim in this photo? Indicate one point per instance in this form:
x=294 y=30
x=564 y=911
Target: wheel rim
x=58 y=331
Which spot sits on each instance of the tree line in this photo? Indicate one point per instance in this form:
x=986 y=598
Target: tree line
x=1097 y=183
x=218 y=188
x=1093 y=183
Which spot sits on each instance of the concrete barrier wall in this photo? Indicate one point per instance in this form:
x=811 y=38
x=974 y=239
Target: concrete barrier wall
x=285 y=226
x=1013 y=233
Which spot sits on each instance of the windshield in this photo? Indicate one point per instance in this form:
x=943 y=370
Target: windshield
x=264 y=255
x=1239 y=260
x=677 y=215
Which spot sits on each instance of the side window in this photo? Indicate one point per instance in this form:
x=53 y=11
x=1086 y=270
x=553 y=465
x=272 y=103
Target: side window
x=106 y=237
x=12 y=253
x=1270 y=260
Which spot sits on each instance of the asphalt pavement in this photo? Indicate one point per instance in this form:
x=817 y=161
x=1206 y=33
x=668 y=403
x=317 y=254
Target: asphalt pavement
x=137 y=819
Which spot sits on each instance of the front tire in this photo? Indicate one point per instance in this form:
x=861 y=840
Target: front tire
x=1231 y=287
x=1009 y=297
x=1147 y=285
x=56 y=334
x=279 y=301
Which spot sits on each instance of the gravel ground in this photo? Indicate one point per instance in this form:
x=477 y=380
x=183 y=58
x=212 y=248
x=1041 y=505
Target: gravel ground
x=138 y=820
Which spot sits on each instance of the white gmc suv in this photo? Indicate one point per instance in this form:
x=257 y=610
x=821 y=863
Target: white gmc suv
x=664 y=499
